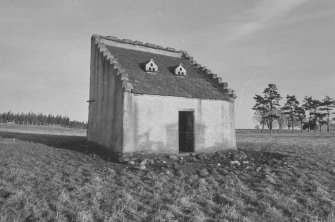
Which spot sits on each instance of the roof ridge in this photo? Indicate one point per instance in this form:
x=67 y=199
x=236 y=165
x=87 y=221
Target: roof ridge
x=213 y=77
x=135 y=42
x=121 y=72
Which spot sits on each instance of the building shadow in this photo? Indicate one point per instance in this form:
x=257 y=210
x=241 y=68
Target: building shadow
x=73 y=143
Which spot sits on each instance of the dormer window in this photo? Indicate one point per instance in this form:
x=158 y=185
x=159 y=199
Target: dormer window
x=180 y=70
x=151 y=66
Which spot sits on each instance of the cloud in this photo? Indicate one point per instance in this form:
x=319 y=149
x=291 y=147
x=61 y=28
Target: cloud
x=260 y=16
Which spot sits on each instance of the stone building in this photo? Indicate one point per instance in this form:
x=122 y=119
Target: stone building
x=144 y=97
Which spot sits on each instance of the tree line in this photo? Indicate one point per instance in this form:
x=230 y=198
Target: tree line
x=40 y=119
x=312 y=114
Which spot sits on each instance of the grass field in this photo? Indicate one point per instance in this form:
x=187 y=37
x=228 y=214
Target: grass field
x=279 y=177
x=49 y=130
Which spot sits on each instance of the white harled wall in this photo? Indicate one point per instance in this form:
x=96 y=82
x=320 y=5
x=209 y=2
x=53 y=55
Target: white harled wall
x=150 y=123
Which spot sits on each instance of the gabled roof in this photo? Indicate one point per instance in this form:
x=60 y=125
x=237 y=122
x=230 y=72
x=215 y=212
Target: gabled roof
x=132 y=56
x=179 y=70
x=151 y=66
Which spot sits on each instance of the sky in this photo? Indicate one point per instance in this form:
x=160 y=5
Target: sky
x=45 y=47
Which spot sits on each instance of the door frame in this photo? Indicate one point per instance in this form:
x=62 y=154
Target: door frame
x=190 y=111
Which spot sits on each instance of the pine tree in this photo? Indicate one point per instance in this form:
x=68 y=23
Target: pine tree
x=301 y=114
x=261 y=110
x=268 y=105
x=328 y=104
x=311 y=105
x=290 y=108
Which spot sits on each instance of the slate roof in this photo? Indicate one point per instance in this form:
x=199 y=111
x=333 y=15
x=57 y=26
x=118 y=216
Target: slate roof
x=196 y=83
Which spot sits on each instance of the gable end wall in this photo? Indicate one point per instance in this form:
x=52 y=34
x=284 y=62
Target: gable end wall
x=106 y=101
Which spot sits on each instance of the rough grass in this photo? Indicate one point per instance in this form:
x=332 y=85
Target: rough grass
x=49 y=130
x=285 y=177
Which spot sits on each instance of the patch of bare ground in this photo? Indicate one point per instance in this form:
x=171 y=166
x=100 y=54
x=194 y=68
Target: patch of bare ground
x=279 y=177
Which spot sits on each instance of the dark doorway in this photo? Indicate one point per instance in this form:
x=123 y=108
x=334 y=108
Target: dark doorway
x=186 y=131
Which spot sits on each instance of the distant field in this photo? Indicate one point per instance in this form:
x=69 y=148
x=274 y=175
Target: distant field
x=42 y=130
x=295 y=138
x=282 y=177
